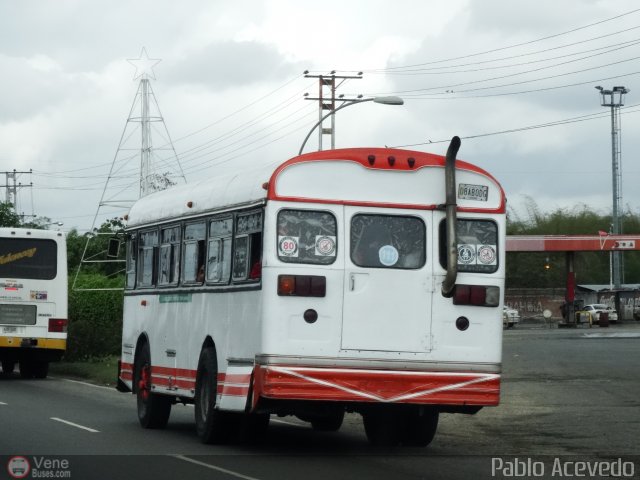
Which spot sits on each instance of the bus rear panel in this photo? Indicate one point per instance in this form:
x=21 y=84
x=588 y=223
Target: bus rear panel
x=33 y=299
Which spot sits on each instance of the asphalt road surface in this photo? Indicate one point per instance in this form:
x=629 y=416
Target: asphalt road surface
x=571 y=394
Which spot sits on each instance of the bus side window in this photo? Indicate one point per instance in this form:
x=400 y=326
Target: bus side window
x=247 y=253
x=219 y=251
x=132 y=245
x=169 y=256
x=147 y=255
x=193 y=253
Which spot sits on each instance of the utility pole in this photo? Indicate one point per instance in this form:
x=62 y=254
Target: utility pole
x=12 y=186
x=326 y=98
x=614 y=99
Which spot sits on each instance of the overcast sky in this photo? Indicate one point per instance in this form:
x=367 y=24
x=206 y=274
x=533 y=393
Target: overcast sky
x=230 y=88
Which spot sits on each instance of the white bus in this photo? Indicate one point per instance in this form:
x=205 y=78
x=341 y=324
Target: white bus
x=33 y=300
x=329 y=284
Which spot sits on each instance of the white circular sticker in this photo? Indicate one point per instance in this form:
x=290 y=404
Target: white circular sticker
x=325 y=246
x=288 y=246
x=388 y=255
x=466 y=254
x=487 y=254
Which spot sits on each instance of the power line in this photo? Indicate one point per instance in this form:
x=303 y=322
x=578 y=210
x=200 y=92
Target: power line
x=554 y=123
x=471 y=55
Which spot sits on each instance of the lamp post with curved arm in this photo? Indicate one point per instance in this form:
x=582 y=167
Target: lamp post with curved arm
x=382 y=100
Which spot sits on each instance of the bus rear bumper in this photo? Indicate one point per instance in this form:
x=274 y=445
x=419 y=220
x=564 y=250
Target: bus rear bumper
x=280 y=382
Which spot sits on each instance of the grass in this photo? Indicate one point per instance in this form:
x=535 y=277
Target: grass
x=101 y=371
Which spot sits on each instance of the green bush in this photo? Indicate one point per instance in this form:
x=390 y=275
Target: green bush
x=95 y=318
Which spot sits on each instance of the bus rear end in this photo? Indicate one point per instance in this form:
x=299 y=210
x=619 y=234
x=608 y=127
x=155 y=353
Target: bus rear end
x=33 y=300
x=356 y=314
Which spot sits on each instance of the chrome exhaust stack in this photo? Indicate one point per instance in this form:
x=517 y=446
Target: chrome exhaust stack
x=449 y=283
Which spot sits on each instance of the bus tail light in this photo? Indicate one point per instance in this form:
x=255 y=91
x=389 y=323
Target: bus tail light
x=58 y=325
x=478 y=295
x=302 y=286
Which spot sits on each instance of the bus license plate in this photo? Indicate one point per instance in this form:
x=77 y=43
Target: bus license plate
x=468 y=191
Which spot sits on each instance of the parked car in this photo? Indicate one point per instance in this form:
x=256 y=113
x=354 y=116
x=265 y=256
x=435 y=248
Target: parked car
x=595 y=309
x=510 y=317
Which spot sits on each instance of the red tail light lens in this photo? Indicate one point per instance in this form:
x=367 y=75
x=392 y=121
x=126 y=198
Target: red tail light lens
x=302 y=285
x=478 y=295
x=58 y=325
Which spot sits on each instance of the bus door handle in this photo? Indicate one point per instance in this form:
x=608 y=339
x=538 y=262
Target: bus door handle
x=357 y=281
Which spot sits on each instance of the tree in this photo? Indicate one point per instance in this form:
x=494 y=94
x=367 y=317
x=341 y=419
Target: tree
x=546 y=270
x=8 y=217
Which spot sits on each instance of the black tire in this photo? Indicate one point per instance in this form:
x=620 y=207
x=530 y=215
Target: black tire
x=420 y=425
x=153 y=408
x=328 y=423
x=26 y=369
x=383 y=426
x=40 y=368
x=212 y=425
x=7 y=367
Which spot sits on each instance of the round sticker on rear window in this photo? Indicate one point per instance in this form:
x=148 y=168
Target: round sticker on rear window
x=487 y=254
x=388 y=255
x=466 y=254
x=325 y=246
x=288 y=246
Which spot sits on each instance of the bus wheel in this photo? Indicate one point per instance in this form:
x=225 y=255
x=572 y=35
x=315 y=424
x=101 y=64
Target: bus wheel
x=40 y=368
x=383 y=427
x=7 y=367
x=26 y=369
x=212 y=425
x=153 y=409
x=328 y=423
x=420 y=425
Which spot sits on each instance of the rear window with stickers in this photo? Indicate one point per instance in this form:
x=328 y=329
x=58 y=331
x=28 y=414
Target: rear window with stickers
x=307 y=236
x=477 y=245
x=388 y=241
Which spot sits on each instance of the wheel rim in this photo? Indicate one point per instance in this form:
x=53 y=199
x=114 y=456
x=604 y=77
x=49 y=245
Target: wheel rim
x=144 y=383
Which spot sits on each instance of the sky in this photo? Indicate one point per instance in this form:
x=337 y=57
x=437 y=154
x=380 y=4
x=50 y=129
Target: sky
x=513 y=78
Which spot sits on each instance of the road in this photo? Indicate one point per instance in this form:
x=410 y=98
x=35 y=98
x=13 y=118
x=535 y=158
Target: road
x=571 y=393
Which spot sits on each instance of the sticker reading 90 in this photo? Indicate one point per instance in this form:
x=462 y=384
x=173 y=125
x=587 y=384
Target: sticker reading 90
x=288 y=246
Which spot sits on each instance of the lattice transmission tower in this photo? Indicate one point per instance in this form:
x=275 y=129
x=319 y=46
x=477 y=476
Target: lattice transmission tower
x=145 y=162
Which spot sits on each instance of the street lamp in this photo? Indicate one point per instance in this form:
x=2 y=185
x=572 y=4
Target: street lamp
x=614 y=98
x=57 y=224
x=382 y=100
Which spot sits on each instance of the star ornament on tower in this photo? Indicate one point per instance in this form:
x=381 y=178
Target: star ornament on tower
x=144 y=65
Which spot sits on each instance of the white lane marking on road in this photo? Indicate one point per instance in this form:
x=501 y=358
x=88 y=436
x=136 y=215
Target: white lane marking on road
x=288 y=423
x=75 y=425
x=112 y=389
x=214 y=467
x=2 y=403
x=612 y=335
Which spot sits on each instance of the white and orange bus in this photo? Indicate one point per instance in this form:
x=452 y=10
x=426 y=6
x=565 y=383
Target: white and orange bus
x=33 y=300
x=363 y=280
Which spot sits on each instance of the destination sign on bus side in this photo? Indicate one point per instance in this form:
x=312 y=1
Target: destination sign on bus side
x=467 y=191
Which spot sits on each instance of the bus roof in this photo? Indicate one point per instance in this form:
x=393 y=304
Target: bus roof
x=9 y=232
x=352 y=176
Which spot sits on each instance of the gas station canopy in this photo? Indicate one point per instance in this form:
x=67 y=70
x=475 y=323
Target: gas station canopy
x=572 y=243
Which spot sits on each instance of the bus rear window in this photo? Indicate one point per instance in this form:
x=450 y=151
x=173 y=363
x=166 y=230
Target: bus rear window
x=27 y=258
x=307 y=236
x=477 y=245
x=388 y=241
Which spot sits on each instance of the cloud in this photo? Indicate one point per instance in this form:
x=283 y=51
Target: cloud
x=230 y=64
